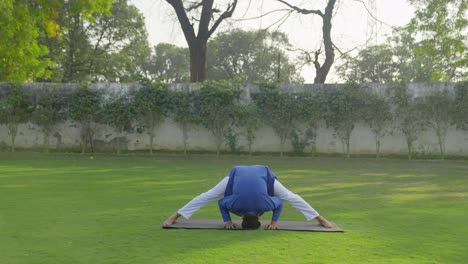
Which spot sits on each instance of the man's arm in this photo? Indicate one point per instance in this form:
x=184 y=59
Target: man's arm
x=196 y=203
x=276 y=215
x=228 y=224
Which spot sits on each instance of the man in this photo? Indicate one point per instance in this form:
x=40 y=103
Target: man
x=249 y=191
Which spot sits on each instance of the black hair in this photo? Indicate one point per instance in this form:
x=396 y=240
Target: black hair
x=250 y=221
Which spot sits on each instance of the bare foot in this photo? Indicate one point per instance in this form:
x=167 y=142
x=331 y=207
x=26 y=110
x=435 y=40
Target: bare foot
x=324 y=222
x=172 y=219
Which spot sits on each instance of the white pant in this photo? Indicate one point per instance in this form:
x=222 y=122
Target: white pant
x=217 y=193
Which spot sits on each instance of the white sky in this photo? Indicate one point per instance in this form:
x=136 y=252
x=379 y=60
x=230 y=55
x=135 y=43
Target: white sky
x=352 y=26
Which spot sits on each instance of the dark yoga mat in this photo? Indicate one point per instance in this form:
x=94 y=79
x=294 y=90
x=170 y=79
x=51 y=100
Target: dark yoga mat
x=283 y=225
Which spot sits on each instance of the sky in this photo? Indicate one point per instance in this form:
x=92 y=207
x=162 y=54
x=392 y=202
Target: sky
x=352 y=25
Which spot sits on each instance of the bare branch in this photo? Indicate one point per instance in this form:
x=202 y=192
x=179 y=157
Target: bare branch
x=228 y=13
x=252 y=18
x=300 y=10
x=372 y=15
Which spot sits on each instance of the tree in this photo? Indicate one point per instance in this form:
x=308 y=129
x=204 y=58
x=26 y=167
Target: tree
x=438 y=111
x=373 y=64
x=409 y=114
x=278 y=109
x=441 y=27
x=377 y=114
x=342 y=109
x=22 y=23
x=410 y=66
x=119 y=114
x=252 y=56
x=198 y=42
x=169 y=64
x=184 y=112
x=215 y=106
x=49 y=111
x=15 y=108
x=107 y=48
x=321 y=70
x=86 y=109
x=151 y=107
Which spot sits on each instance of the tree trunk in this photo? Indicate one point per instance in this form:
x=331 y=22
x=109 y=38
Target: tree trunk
x=410 y=150
x=377 y=148
x=322 y=71
x=151 y=142
x=347 y=148
x=441 y=145
x=13 y=132
x=46 y=141
x=197 y=49
x=185 y=137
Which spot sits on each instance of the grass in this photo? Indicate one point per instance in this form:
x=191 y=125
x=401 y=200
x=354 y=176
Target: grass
x=68 y=208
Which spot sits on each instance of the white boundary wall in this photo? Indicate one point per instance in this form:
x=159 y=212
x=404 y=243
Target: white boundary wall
x=169 y=135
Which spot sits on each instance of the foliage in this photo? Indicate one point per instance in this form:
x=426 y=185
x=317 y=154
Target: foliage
x=215 y=104
x=342 y=108
x=300 y=140
x=182 y=110
x=15 y=108
x=409 y=113
x=441 y=26
x=373 y=64
x=461 y=105
x=86 y=109
x=22 y=57
x=169 y=64
x=22 y=23
x=151 y=107
x=278 y=109
x=49 y=111
x=252 y=56
x=249 y=119
x=410 y=66
x=119 y=114
x=377 y=114
x=109 y=48
x=438 y=112
x=232 y=141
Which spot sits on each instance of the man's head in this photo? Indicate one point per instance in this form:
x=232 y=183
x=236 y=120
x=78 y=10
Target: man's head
x=250 y=221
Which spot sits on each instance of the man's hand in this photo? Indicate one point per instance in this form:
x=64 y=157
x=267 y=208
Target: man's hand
x=172 y=219
x=324 y=222
x=231 y=225
x=272 y=225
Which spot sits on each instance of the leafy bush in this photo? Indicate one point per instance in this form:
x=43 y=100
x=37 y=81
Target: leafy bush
x=342 y=108
x=49 y=111
x=409 y=113
x=377 y=114
x=151 y=107
x=119 y=113
x=15 y=108
x=215 y=104
x=278 y=109
x=86 y=109
x=182 y=109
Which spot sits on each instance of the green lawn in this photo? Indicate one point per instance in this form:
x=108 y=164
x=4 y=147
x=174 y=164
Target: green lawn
x=67 y=208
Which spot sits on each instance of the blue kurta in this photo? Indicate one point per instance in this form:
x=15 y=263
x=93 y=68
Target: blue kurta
x=250 y=191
